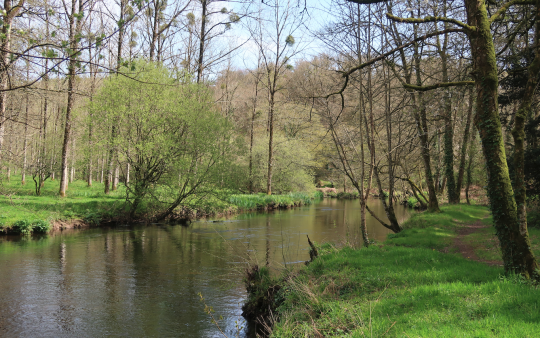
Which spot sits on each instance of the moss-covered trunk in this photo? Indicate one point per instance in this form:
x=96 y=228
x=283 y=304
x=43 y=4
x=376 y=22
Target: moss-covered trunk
x=515 y=244
x=518 y=133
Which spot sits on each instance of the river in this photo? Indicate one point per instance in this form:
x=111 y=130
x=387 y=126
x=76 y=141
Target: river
x=144 y=281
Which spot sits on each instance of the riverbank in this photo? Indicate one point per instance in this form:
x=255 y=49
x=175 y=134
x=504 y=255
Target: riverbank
x=440 y=277
x=24 y=212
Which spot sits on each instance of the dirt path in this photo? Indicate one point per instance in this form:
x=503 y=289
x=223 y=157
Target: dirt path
x=467 y=250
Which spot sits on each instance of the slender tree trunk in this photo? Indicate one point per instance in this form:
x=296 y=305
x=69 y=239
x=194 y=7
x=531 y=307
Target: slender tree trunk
x=453 y=194
x=469 y=166
x=74 y=28
x=9 y=13
x=202 y=40
x=465 y=142
x=252 y=127
x=116 y=177
x=422 y=127
x=127 y=174
x=389 y=208
x=155 y=29
x=361 y=108
x=518 y=133
x=25 y=145
x=270 y=144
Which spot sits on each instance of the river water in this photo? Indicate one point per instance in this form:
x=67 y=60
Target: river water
x=144 y=281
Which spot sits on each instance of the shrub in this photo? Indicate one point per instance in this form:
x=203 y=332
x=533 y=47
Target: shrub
x=92 y=217
x=41 y=227
x=23 y=227
x=411 y=202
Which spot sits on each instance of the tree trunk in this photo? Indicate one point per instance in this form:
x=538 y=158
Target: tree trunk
x=155 y=29
x=514 y=241
x=453 y=195
x=252 y=126
x=469 y=167
x=362 y=113
x=270 y=144
x=116 y=178
x=518 y=133
x=10 y=12
x=421 y=123
x=73 y=30
x=201 y=42
x=25 y=145
x=465 y=142
x=127 y=174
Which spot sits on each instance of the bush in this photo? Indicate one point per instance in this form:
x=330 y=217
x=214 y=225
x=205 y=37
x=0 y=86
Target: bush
x=92 y=217
x=348 y=195
x=411 y=202
x=26 y=227
x=23 y=227
x=41 y=227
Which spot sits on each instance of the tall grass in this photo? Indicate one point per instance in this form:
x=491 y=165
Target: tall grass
x=261 y=201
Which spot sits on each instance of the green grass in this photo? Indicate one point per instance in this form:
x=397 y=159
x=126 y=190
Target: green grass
x=437 y=230
x=487 y=244
x=258 y=201
x=407 y=288
x=19 y=203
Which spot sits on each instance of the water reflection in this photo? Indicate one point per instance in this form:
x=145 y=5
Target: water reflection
x=144 y=281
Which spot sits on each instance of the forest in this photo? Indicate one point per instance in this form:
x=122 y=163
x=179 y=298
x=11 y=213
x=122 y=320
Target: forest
x=172 y=110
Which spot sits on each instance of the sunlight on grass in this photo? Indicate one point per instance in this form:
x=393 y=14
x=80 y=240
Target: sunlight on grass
x=406 y=287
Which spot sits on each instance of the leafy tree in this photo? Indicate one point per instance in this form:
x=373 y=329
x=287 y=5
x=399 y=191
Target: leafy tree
x=170 y=134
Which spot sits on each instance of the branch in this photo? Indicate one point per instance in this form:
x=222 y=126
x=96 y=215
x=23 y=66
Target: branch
x=378 y=219
x=366 y=2
x=437 y=85
x=500 y=13
x=431 y=19
x=382 y=56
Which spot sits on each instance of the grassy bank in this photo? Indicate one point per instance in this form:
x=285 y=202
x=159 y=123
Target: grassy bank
x=21 y=210
x=19 y=202
x=412 y=285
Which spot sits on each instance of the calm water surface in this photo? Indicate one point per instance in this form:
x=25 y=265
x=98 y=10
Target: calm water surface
x=144 y=281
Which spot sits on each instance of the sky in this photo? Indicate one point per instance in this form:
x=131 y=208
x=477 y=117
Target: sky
x=306 y=45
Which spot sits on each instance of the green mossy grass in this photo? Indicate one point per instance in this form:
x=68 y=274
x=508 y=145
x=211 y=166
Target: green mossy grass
x=406 y=287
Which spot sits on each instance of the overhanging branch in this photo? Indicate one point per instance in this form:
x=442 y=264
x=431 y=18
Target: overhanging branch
x=437 y=85
x=431 y=19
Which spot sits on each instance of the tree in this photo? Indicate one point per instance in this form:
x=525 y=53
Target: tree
x=278 y=34
x=173 y=138
x=75 y=18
